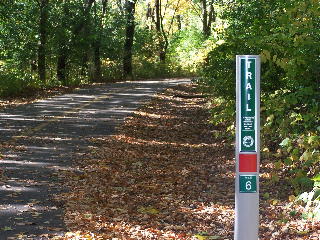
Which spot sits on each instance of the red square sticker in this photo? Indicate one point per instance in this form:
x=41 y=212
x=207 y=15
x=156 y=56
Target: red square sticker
x=247 y=162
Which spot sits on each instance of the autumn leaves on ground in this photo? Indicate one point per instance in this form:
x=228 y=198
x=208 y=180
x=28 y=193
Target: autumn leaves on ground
x=156 y=178
x=164 y=176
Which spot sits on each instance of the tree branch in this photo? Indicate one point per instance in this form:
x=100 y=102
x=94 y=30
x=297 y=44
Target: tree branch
x=174 y=13
x=198 y=11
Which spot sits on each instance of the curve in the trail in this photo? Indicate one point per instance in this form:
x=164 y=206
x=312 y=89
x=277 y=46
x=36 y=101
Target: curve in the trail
x=40 y=139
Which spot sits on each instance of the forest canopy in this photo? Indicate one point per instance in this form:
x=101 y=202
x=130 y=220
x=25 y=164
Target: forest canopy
x=58 y=42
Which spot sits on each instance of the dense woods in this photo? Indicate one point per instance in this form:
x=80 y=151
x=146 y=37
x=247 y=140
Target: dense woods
x=47 y=43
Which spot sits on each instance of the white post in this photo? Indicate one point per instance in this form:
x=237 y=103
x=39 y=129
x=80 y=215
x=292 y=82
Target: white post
x=247 y=147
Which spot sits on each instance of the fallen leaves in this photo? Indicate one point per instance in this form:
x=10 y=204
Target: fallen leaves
x=32 y=95
x=163 y=176
x=148 y=210
x=155 y=178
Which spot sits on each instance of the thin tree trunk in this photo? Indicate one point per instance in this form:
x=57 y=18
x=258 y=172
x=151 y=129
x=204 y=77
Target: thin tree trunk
x=84 y=63
x=62 y=65
x=212 y=16
x=150 y=15
x=97 y=45
x=208 y=17
x=130 y=27
x=204 y=18
x=85 y=28
x=158 y=13
x=164 y=43
x=63 y=48
x=179 y=22
x=97 y=62
x=159 y=28
x=43 y=4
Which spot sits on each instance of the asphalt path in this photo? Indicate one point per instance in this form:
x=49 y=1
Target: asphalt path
x=40 y=139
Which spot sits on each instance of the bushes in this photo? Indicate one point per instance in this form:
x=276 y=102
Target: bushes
x=13 y=81
x=284 y=35
x=291 y=120
x=219 y=71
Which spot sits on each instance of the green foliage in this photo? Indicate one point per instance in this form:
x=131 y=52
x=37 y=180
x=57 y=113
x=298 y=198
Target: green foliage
x=223 y=115
x=219 y=71
x=146 y=59
x=286 y=35
x=311 y=202
x=85 y=42
x=13 y=81
x=185 y=50
x=296 y=133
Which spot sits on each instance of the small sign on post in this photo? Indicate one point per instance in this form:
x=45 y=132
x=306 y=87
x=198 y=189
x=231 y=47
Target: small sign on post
x=247 y=147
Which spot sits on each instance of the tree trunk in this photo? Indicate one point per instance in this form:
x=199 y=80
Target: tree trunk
x=130 y=27
x=84 y=63
x=159 y=28
x=204 y=18
x=43 y=4
x=179 y=22
x=158 y=15
x=162 y=54
x=63 y=47
x=62 y=66
x=212 y=18
x=208 y=17
x=87 y=31
x=97 y=62
x=97 y=45
x=150 y=15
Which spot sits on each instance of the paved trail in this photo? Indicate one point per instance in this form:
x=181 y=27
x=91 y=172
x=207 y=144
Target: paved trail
x=40 y=139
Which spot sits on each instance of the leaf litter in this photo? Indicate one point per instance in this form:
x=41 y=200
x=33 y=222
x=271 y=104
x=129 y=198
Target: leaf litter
x=164 y=175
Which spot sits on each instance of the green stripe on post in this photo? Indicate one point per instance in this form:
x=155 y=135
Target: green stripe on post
x=248 y=110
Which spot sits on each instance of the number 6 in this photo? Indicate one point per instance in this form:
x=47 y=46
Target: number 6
x=248 y=185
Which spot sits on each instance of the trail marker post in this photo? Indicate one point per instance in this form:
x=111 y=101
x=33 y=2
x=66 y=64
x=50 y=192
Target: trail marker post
x=247 y=147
